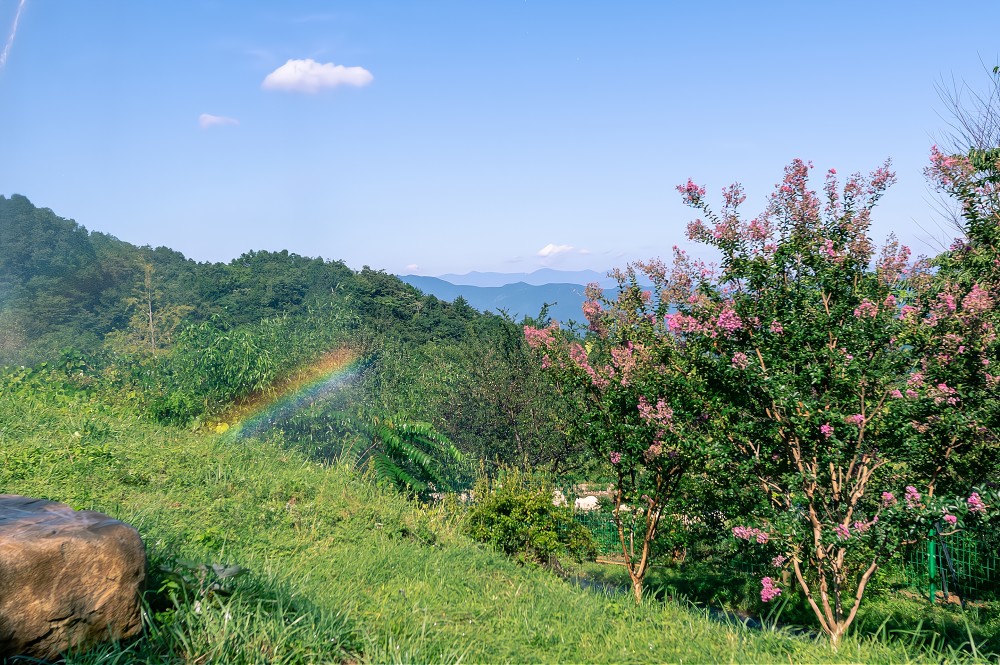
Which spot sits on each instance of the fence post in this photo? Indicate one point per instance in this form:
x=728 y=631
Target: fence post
x=932 y=566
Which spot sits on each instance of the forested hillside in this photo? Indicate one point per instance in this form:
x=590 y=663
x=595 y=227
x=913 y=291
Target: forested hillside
x=64 y=286
x=187 y=341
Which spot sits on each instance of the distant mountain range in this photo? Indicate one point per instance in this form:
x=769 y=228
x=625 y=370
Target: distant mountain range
x=517 y=294
x=540 y=277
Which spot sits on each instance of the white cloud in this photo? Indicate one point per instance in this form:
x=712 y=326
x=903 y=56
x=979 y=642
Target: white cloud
x=413 y=266
x=552 y=250
x=310 y=76
x=206 y=120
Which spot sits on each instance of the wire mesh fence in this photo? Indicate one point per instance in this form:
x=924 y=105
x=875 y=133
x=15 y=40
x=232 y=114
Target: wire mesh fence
x=604 y=530
x=965 y=564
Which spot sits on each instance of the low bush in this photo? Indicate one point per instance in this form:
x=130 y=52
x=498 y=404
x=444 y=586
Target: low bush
x=515 y=514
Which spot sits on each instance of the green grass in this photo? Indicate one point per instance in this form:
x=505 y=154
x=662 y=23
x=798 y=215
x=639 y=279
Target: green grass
x=339 y=568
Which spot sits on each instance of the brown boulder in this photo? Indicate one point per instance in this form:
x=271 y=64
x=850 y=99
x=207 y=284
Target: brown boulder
x=67 y=578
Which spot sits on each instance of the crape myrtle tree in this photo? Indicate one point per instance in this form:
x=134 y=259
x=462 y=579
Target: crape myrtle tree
x=804 y=327
x=641 y=410
x=958 y=335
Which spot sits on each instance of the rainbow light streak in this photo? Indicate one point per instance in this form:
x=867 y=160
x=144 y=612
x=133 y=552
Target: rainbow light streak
x=309 y=384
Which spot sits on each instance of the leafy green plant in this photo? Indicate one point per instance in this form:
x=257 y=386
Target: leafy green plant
x=410 y=455
x=515 y=513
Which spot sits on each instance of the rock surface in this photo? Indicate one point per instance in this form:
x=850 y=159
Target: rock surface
x=67 y=578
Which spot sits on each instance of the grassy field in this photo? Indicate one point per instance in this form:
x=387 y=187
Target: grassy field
x=339 y=569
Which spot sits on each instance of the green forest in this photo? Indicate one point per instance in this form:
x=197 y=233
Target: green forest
x=768 y=443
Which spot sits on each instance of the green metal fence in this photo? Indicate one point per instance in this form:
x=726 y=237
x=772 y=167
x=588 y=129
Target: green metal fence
x=604 y=530
x=965 y=564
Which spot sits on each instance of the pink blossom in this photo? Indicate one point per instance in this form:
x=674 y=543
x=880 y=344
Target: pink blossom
x=779 y=561
x=947 y=302
x=592 y=311
x=740 y=360
x=896 y=394
x=827 y=430
x=579 y=357
x=950 y=519
x=769 y=591
x=829 y=250
x=843 y=532
x=888 y=499
x=912 y=496
x=777 y=328
x=975 y=503
x=751 y=533
x=625 y=361
x=682 y=323
x=661 y=414
x=978 y=300
x=615 y=457
x=691 y=193
x=757 y=230
x=856 y=419
x=540 y=337
x=729 y=321
x=866 y=308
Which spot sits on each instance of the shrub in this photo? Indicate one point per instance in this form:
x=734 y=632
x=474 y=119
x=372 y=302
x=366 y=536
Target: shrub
x=515 y=514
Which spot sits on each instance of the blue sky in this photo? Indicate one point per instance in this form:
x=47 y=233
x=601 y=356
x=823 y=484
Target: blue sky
x=442 y=137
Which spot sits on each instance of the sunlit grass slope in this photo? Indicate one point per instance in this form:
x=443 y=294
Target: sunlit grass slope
x=339 y=569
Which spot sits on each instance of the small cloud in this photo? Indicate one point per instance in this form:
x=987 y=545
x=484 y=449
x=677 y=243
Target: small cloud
x=413 y=266
x=310 y=76
x=206 y=120
x=552 y=250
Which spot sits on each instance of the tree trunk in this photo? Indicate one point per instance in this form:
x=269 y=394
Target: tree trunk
x=636 y=588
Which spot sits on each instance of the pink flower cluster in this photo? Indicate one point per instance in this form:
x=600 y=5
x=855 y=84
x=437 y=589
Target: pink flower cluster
x=975 y=503
x=855 y=419
x=691 y=193
x=540 y=337
x=843 y=532
x=625 y=360
x=912 y=496
x=978 y=300
x=740 y=360
x=779 y=561
x=950 y=519
x=729 y=321
x=866 y=308
x=827 y=430
x=592 y=311
x=769 y=590
x=888 y=499
x=907 y=311
x=616 y=457
x=751 y=533
x=682 y=323
x=661 y=414
x=579 y=356
x=862 y=527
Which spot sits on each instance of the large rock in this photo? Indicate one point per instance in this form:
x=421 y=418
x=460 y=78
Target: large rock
x=67 y=578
